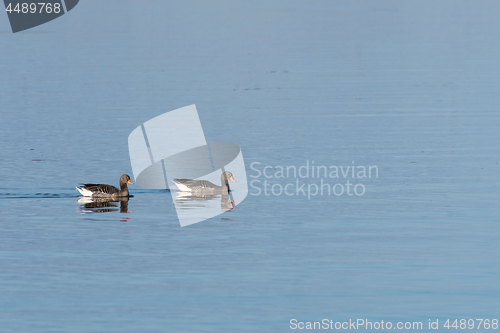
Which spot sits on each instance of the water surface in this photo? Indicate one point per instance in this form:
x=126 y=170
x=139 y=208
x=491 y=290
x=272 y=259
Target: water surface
x=411 y=88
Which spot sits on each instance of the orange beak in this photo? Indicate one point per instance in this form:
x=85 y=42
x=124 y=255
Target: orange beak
x=130 y=182
x=232 y=179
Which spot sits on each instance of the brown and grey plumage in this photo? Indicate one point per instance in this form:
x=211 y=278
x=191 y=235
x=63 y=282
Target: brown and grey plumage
x=106 y=191
x=190 y=185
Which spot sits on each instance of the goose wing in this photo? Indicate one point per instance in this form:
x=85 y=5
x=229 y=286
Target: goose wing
x=101 y=189
x=194 y=185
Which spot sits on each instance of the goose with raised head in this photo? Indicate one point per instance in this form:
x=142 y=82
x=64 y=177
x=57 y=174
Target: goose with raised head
x=190 y=185
x=106 y=191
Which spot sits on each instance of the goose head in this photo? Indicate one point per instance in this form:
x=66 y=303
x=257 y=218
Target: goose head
x=125 y=179
x=228 y=175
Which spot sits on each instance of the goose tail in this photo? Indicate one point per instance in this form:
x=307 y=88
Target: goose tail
x=181 y=186
x=84 y=192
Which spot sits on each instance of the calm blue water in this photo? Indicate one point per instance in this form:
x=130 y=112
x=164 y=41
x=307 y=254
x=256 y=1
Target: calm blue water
x=409 y=87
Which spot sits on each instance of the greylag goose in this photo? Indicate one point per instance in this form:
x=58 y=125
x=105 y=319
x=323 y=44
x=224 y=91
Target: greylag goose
x=106 y=191
x=189 y=185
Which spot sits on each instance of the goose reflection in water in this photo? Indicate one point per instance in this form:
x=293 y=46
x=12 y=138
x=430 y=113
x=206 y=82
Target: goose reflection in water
x=103 y=205
x=201 y=200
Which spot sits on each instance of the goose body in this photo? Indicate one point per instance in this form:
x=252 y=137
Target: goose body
x=204 y=186
x=106 y=191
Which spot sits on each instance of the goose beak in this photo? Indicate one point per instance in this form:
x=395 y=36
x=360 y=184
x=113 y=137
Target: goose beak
x=130 y=182
x=232 y=179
